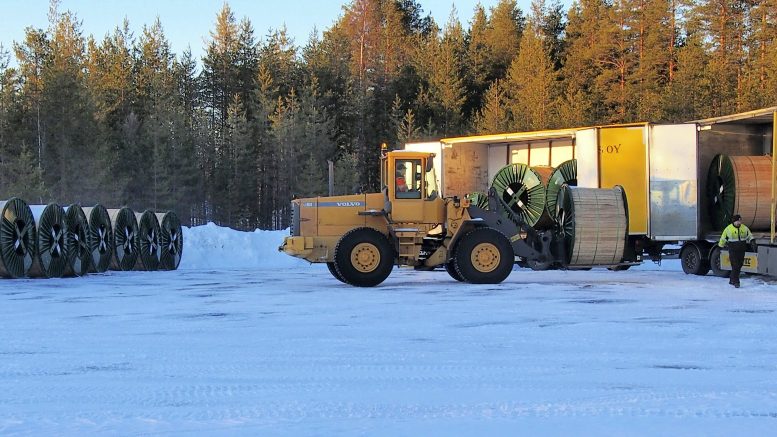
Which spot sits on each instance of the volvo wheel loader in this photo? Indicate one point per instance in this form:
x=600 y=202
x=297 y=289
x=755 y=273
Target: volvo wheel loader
x=362 y=237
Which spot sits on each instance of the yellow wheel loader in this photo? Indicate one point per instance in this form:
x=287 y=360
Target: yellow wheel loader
x=362 y=237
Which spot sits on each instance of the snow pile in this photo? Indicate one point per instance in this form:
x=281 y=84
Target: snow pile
x=215 y=247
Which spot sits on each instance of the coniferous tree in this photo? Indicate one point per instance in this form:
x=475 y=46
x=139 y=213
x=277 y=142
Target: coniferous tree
x=531 y=83
x=446 y=79
x=494 y=117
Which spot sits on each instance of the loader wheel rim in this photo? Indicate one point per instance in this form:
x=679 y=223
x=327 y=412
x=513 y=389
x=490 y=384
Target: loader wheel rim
x=365 y=257
x=485 y=257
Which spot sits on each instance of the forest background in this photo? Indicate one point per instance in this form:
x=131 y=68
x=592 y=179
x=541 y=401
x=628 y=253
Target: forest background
x=234 y=136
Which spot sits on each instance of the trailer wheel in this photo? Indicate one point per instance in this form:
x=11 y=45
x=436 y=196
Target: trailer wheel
x=692 y=259
x=715 y=263
x=363 y=257
x=484 y=256
x=334 y=272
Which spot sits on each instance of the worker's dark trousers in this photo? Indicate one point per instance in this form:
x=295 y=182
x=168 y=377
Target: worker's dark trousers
x=736 y=253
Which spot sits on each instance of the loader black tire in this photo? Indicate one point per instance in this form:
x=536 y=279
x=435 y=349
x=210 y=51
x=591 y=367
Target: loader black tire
x=484 y=256
x=450 y=267
x=363 y=257
x=334 y=272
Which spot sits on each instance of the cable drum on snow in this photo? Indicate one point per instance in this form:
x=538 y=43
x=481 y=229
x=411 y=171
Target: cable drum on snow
x=148 y=241
x=740 y=185
x=51 y=257
x=125 y=238
x=595 y=225
x=565 y=173
x=18 y=240
x=522 y=190
x=79 y=255
x=170 y=241
x=100 y=238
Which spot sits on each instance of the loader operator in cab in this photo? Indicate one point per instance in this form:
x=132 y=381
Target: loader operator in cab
x=401 y=181
x=736 y=237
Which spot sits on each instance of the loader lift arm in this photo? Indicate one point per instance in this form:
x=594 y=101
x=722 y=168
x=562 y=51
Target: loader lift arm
x=540 y=246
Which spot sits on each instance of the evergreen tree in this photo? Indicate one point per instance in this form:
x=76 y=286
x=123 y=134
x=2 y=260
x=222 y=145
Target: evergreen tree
x=503 y=37
x=494 y=117
x=584 y=94
x=446 y=80
x=531 y=83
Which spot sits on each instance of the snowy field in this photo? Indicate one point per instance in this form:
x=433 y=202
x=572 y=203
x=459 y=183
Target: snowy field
x=243 y=340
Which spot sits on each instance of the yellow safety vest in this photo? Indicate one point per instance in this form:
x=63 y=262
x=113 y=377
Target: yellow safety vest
x=732 y=233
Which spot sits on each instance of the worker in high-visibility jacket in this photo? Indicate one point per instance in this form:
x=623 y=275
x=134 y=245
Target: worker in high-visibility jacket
x=736 y=237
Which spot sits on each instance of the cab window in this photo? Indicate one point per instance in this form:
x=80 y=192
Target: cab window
x=407 y=182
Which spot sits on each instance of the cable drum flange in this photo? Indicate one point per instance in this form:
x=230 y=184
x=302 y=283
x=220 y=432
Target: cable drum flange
x=170 y=240
x=125 y=239
x=522 y=190
x=479 y=199
x=148 y=241
x=51 y=257
x=100 y=238
x=564 y=174
x=79 y=255
x=18 y=238
x=594 y=222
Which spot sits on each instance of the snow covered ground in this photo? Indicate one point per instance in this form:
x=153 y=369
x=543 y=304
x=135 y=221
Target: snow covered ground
x=243 y=340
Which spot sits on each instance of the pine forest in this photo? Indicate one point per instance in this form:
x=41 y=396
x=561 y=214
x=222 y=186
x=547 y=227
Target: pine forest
x=234 y=136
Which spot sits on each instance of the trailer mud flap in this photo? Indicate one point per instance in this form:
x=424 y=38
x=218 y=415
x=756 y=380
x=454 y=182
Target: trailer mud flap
x=749 y=266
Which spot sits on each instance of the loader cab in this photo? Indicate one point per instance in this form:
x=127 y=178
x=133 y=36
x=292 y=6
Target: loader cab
x=410 y=183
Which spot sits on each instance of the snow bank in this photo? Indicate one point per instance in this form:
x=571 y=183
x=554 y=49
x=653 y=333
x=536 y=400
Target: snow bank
x=215 y=247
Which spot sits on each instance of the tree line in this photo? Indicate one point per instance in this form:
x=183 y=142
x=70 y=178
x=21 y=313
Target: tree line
x=234 y=136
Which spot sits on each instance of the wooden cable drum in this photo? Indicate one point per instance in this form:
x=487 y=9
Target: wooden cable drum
x=170 y=241
x=79 y=255
x=18 y=239
x=522 y=190
x=100 y=238
x=565 y=173
x=51 y=257
x=125 y=238
x=479 y=199
x=148 y=241
x=595 y=225
x=740 y=185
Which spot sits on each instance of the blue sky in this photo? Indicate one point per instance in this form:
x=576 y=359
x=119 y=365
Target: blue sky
x=188 y=23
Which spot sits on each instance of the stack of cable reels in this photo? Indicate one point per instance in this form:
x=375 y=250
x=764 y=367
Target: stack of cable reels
x=740 y=185
x=51 y=257
x=522 y=191
x=148 y=241
x=80 y=257
x=100 y=238
x=18 y=239
x=595 y=225
x=170 y=240
x=125 y=239
x=565 y=173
